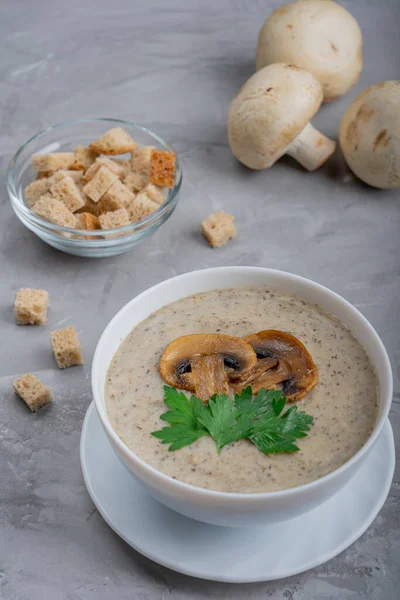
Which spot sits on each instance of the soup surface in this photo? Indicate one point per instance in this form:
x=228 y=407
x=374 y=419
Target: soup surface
x=343 y=404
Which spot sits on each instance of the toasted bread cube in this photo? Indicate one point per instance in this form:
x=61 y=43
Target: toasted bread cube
x=141 y=207
x=66 y=347
x=94 y=208
x=58 y=175
x=91 y=171
x=30 y=306
x=218 y=228
x=162 y=170
x=44 y=174
x=117 y=218
x=136 y=181
x=122 y=164
x=84 y=157
x=155 y=193
x=55 y=211
x=52 y=162
x=115 y=141
x=141 y=159
x=119 y=167
x=67 y=191
x=116 y=166
x=101 y=182
x=117 y=196
x=35 y=190
x=88 y=221
x=32 y=391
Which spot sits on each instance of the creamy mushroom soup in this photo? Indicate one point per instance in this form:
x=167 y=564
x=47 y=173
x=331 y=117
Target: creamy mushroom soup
x=343 y=403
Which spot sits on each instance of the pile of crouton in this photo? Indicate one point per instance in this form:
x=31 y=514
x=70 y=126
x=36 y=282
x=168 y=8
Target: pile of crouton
x=86 y=189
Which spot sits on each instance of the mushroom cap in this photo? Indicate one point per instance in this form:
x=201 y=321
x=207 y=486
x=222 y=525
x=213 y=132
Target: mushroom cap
x=318 y=35
x=282 y=361
x=370 y=135
x=175 y=364
x=269 y=111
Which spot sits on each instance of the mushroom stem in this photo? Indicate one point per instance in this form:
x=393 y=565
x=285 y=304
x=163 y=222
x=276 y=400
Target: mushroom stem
x=311 y=148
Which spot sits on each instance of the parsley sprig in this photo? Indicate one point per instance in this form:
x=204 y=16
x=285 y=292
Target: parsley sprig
x=260 y=419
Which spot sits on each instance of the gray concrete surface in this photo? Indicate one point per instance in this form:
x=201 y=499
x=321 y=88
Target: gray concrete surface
x=173 y=66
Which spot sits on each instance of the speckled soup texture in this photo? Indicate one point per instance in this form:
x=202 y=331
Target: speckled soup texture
x=344 y=403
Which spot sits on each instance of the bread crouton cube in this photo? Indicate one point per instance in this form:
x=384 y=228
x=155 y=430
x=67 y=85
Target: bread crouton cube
x=141 y=159
x=88 y=221
x=32 y=391
x=121 y=163
x=136 y=181
x=155 y=193
x=162 y=170
x=44 y=174
x=53 y=162
x=67 y=191
x=35 y=190
x=141 y=207
x=58 y=175
x=101 y=182
x=84 y=157
x=91 y=207
x=91 y=171
x=115 y=141
x=117 y=218
x=218 y=229
x=55 y=211
x=117 y=196
x=119 y=167
x=30 y=306
x=66 y=347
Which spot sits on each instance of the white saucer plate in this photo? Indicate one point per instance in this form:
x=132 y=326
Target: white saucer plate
x=227 y=554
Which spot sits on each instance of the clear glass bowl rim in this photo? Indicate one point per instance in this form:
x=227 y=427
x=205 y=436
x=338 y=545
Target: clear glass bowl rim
x=140 y=226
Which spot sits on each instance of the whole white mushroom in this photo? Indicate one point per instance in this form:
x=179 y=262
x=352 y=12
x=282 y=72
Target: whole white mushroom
x=318 y=35
x=271 y=116
x=370 y=135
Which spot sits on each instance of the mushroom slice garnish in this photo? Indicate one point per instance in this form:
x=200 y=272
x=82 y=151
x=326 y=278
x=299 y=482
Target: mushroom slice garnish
x=209 y=376
x=238 y=359
x=294 y=371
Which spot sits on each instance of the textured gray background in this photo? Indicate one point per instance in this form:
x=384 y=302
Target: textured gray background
x=173 y=66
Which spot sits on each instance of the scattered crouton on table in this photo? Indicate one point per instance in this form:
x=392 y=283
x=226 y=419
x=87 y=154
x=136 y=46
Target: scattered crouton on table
x=218 y=229
x=30 y=306
x=66 y=347
x=32 y=391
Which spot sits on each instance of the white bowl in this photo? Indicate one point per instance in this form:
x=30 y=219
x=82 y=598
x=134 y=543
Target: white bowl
x=222 y=508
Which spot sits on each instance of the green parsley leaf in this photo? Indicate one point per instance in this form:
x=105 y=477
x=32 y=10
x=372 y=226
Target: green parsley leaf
x=179 y=435
x=260 y=420
x=182 y=411
x=185 y=427
x=220 y=418
x=276 y=434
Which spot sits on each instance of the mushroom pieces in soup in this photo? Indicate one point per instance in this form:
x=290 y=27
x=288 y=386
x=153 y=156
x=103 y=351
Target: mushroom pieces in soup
x=208 y=364
x=283 y=362
x=205 y=363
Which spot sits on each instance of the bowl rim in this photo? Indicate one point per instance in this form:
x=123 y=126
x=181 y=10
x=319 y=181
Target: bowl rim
x=140 y=226
x=238 y=497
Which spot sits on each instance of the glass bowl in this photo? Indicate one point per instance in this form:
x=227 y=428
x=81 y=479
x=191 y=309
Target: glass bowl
x=64 y=137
